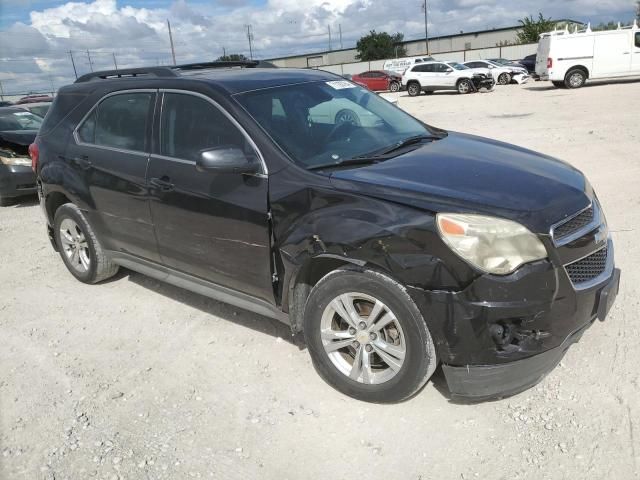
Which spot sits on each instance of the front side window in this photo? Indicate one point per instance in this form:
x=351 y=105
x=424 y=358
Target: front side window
x=326 y=122
x=119 y=121
x=190 y=125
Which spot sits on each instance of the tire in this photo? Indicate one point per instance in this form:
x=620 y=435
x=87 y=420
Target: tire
x=558 y=84
x=408 y=357
x=79 y=248
x=347 y=116
x=465 y=86
x=504 y=79
x=413 y=88
x=394 y=87
x=575 y=78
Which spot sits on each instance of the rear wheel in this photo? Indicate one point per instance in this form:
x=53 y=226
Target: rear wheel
x=504 y=79
x=575 y=78
x=367 y=338
x=465 y=86
x=79 y=248
x=414 y=89
x=394 y=87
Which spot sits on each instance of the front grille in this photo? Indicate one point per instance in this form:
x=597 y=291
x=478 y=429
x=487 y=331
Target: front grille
x=573 y=225
x=588 y=268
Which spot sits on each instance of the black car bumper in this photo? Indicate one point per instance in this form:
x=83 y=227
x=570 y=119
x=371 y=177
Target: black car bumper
x=16 y=181
x=501 y=335
x=483 y=82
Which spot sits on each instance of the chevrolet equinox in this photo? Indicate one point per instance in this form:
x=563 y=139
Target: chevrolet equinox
x=393 y=246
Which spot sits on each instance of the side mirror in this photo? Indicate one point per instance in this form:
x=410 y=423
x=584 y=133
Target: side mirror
x=449 y=70
x=226 y=159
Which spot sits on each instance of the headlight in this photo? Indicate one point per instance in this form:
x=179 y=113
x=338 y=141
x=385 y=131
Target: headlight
x=491 y=244
x=25 y=161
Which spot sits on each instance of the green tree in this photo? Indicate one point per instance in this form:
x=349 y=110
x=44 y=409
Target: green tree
x=532 y=28
x=378 y=46
x=233 y=57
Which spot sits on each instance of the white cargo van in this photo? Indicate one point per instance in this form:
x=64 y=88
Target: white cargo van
x=400 y=65
x=569 y=59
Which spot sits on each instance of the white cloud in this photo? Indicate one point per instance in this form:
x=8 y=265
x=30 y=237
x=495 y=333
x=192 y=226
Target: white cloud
x=139 y=36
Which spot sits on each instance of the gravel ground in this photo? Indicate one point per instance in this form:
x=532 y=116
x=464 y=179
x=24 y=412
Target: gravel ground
x=135 y=379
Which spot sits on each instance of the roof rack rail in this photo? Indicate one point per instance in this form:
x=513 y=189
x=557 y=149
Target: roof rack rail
x=172 y=70
x=128 y=72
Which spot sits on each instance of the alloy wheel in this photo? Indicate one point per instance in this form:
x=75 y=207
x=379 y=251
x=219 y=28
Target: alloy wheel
x=363 y=338
x=74 y=245
x=576 y=80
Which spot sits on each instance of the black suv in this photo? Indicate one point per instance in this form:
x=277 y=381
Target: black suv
x=392 y=245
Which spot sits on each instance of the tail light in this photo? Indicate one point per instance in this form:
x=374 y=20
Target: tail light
x=34 y=153
x=549 y=62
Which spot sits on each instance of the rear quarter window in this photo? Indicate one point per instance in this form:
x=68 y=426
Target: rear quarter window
x=63 y=104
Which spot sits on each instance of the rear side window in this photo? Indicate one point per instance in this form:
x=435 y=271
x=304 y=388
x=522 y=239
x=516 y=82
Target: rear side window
x=638 y=40
x=191 y=124
x=423 y=68
x=119 y=121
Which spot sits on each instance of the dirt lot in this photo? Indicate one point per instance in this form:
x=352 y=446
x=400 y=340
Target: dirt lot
x=134 y=379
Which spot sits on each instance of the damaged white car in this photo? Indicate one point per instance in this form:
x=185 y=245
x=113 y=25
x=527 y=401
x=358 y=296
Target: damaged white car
x=503 y=75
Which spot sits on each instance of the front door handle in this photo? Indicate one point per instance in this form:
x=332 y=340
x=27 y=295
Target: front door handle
x=163 y=183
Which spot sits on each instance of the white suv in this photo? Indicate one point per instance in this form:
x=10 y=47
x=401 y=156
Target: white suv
x=432 y=76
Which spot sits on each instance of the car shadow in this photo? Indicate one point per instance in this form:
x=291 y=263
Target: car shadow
x=545 y=86
x=22 y=202
x=215 y=308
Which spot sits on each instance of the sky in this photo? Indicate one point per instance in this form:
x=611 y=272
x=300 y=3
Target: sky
x=37 y=35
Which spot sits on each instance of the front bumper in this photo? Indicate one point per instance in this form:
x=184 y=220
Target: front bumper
x=501 y=335
x=481 y=382
x=483 y=82
x=16 y=181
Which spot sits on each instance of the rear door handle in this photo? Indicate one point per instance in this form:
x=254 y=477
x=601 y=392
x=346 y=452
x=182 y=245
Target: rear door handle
x=163 y=183
x=83 y=162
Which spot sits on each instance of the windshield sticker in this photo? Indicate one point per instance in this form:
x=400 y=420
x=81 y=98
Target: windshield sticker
x=341 y=84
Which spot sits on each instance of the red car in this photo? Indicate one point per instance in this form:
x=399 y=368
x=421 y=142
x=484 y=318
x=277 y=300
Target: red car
x=377 y=80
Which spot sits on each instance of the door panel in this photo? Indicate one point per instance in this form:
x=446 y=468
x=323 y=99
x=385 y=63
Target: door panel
x=210 y=225
x=611 y=53
x=110 y=157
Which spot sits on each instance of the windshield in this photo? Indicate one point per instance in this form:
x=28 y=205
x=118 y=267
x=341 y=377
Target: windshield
x=321 y=123
x=458 y=66
x=495 y=64
x=40 y=110
x=19 y=121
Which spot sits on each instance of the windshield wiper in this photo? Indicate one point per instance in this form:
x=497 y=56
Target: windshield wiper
x=407 y=142
x=346 y=162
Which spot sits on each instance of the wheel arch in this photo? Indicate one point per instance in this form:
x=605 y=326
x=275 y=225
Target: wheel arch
x=578 y=67
x=53 y=201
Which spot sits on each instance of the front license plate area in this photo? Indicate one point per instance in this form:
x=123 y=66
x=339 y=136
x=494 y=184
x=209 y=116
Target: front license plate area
x=608 y=295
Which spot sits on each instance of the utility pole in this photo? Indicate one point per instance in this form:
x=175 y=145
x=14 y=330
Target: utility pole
x=74 y=64
x=173 y=51
x=53 y=88
x=90 y=64
x=329 y=27
x=224 y=52
x=426 y=23
x=115 y=63
x=340 y=34
x=1 y=92
x=250 y=38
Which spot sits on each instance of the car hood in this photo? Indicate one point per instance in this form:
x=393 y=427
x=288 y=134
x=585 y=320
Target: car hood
x=17 y=140
x=23 y=138
x=465 y=173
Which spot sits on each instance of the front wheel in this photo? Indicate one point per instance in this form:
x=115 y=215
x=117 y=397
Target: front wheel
x=465 y=86
x=394 y=87
x=504 y=79
x=366 y=336
x=79 y=248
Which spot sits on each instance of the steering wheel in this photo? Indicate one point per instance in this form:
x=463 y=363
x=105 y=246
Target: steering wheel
x=346 y=126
